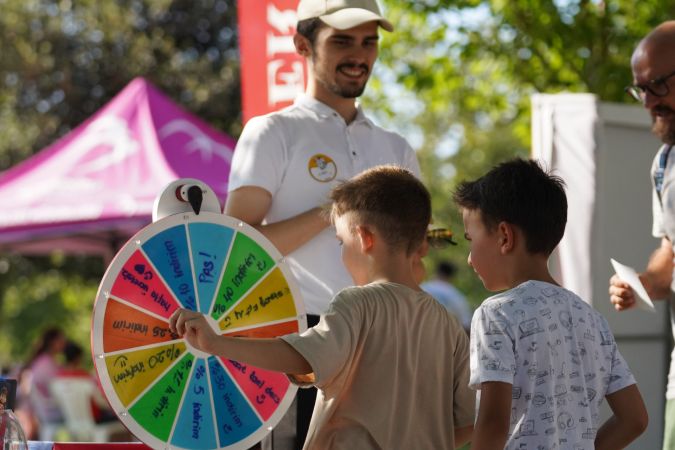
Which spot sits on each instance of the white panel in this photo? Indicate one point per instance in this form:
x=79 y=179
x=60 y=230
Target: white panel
x=571 y=155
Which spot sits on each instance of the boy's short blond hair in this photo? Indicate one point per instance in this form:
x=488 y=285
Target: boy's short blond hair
x=390 y=199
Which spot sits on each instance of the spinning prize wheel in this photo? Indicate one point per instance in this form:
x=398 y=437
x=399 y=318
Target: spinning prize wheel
x=169 y=394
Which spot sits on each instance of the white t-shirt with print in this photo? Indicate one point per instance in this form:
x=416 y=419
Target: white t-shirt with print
x=298 y=155
x=560 y=356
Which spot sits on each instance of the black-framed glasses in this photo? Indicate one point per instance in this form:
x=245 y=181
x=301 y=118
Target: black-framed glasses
x=657 y=86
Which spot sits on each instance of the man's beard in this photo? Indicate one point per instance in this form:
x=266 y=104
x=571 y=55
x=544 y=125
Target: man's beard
x=347 y=90
x=664 y=125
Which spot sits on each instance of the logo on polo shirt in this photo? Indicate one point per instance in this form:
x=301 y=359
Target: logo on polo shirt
x=322 y=168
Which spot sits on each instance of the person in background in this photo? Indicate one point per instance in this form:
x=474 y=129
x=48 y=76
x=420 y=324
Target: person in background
x=73 y=368
x=42 y=367
x=286 y=162
x=653 y=65
x=375 y=353
x=22 y=408
x=441 y=288
x=542 y=359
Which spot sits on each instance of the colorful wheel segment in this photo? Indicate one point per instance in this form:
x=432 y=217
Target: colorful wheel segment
x=169 y=394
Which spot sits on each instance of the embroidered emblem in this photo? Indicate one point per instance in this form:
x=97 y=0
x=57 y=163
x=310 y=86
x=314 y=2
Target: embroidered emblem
x=322 y=168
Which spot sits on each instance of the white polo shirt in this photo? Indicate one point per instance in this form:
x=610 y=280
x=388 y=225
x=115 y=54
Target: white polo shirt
x=298 y=155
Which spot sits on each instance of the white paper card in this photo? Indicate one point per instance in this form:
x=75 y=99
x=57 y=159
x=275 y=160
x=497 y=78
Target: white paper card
x=630 y=276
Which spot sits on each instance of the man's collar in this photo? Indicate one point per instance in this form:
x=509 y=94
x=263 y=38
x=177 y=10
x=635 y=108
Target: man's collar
x=324 y=111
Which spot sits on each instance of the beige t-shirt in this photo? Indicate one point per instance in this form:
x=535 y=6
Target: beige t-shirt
x=392 y=368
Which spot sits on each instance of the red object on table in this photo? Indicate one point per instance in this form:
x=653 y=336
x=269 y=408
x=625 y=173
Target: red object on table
x=95 y=446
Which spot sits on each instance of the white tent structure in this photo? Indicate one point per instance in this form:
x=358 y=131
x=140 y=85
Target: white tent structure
x=604 y=151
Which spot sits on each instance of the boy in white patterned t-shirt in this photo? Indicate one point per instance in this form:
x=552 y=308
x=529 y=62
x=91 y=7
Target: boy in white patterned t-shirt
x=542 y=360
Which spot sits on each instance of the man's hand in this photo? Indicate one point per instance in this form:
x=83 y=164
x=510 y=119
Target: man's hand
x=656 y=279
x=620 y=294
x=195 y=328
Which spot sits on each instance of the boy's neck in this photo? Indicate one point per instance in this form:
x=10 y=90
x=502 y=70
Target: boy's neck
x=529 y=268
x=392 y=268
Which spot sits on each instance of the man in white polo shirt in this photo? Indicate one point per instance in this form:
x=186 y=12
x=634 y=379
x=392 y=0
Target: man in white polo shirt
x=286 y=162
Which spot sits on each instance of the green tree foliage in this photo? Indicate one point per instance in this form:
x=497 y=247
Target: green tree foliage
x=465 y=71
x=60 y=61
x=455 y=77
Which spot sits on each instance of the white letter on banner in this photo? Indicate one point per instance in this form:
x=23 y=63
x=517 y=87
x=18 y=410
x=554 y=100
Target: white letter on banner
x=292 y=83
x=279 y=44
x=284 y=23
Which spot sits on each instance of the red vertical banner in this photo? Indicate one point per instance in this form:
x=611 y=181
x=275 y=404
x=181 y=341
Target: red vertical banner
x=272 y=73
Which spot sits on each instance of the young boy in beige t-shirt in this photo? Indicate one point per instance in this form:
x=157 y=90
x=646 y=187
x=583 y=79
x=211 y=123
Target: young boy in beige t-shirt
x=390 y=362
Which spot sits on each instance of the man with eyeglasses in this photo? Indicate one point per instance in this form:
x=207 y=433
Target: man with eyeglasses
x=653 y=64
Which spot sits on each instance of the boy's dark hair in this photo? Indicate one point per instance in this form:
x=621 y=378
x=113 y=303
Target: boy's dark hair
x=446 y=269
x=389 y=198
x=72 y=352
x=309 y=28
x=521 y=193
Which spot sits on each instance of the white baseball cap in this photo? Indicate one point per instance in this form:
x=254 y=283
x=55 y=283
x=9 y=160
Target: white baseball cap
x=343 y=14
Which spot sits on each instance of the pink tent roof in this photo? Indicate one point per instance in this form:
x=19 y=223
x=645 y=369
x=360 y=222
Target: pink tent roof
x=95 y=187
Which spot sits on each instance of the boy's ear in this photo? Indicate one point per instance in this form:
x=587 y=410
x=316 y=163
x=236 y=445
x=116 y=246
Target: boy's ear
x=366 y=238
x=506 y=237
x=302 y=45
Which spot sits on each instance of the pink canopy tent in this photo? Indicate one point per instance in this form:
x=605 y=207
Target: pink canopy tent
x=94 y=188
